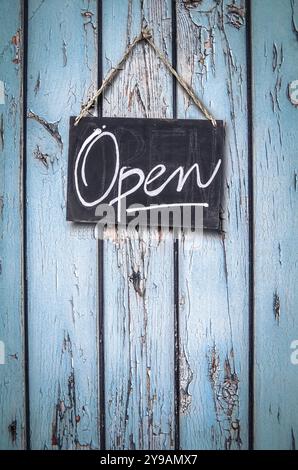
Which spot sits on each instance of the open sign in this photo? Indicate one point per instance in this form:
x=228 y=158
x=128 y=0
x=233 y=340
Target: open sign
x=153 y=163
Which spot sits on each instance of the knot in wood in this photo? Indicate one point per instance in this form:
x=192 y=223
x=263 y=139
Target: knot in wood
x=146 y=33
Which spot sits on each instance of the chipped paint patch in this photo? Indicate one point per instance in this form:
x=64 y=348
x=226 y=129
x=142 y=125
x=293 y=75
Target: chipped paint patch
x=80 y=446
x=65 y=423
x=2 y=353
x=1 y=132
x=276 y=306
x=37 y=84
x=88 y=16
x=186 y=377
x=137 y=282
x=293 y=440
x=12 y=429
x=294 y=22
x=64 y=53
x=225 y=387
x=1 y=211
x=41 y=157
x=16 y=41
x=191 y=3
x=293 y=92
x=236 y=15
x=14 y=356
x=2 y=92
x=51 y=127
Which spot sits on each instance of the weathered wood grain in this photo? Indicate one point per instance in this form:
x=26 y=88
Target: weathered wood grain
x=61 y=257
x=213 y=271
x=12 y=412
x=275 y=119
x=138 y=271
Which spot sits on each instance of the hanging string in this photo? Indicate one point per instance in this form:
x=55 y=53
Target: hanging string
x=144 y=35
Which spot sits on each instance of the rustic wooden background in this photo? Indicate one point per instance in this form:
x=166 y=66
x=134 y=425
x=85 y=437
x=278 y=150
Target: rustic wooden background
x=199 y=363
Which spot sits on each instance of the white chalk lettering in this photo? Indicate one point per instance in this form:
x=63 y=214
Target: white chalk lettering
x=124 y=173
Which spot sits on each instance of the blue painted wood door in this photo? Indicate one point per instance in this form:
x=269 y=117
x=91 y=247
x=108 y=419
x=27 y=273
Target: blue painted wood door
x=190 y=344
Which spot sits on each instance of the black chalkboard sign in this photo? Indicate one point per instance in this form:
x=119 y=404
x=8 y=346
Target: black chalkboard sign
x=157 y=163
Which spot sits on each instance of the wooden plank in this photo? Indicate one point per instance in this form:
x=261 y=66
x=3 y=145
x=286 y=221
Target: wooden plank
x=12 y=416
x=213 y=274
x=275 y=52
x=62 y=259
x=138 y=271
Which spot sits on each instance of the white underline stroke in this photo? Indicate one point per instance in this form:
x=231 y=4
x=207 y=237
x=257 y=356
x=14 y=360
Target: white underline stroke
x=163 y=206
